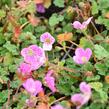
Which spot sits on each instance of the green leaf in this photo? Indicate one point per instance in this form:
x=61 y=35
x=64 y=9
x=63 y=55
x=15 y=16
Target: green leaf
x=100 y=52
x=55 y=19
x=2 y=14
x=87 y=67
x=94 y=8
x=103 y=95
x=2 y=39
x=85 y=43
x=103 y=4
x=8 y=59
x=101 y=67
x=93 y=78
x=11 y=48
x=59 y=3
x=96 y=85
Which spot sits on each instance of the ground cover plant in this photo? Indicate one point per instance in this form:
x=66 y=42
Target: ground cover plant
x=54 y=54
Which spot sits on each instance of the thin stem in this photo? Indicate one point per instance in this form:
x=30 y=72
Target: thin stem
x=62 y=98
x=74 y=43
x=95 y=28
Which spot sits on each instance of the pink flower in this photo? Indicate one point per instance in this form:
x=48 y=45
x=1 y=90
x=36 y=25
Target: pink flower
x=50 y=81
x=40 y=8
x=24 y=69
x=32 y=86
x=82 y=56
x=78 y=25
x=47 y=40
x=57 y=107
x=80 y=99
x=34 y=55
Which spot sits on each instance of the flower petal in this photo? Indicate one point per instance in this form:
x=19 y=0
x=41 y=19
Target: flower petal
x=85 y=88
x=88 y=53
x=47 y=47
x=77 y=25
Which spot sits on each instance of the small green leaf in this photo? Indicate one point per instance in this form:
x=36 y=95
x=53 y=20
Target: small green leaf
x=59 y=3
x=94 y=8
x=11 y=48
x=55 y=19
x=2 y=14
x=96 y=85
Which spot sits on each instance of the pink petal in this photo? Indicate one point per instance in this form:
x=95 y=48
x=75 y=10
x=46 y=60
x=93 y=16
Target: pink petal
x=24 y=52
x=85 y=88
x=79 y=52
x=45 y=36
x=88 y=53
x=47 y=47
x=85 y=23
x=77 y=60
x=33 y=87
x=25 y=68
x=50 y=81
x=78 y=100
x=77 y=25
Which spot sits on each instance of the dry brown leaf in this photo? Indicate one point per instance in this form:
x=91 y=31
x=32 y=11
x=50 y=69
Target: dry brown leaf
x=64 y=37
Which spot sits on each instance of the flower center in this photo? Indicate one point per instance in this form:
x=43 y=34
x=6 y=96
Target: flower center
x=48 y=41
x=30 y=52
x=84 y=60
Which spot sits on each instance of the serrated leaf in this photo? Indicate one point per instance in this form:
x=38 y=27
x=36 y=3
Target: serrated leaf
x=55 y=19
x=11 y=48
x=100 y=52
x=101 y=67
x=96 y=85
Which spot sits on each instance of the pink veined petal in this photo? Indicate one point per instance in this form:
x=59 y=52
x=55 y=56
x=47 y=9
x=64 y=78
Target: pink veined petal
x=37 y=50
x=88 y=53
x=24 y=68
x=85 y=88
x=85 y=23
x=47 y=47
x=77 y=60
x=77 y=25
x=50 y=81
x=24 y=52
x=38 y=86
x=33 y=87
x=80 y=52
x=57 y=107
x=46 y=36
x=78 y=100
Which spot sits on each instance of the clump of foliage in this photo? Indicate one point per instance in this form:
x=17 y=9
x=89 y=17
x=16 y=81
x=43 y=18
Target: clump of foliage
x=54 y=54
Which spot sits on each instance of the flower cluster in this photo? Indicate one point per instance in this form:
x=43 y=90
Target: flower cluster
x=82 y=98
x=34 y=57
